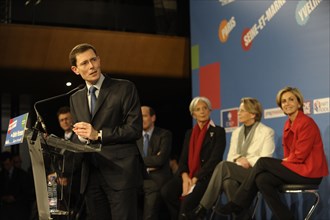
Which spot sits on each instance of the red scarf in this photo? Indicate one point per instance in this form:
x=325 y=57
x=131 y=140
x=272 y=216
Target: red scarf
x=195 y=146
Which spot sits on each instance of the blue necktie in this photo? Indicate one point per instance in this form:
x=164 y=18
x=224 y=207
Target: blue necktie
x=145 y=144
x=92 y=90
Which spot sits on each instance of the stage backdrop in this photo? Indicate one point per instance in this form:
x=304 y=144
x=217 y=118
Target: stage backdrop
x=254 y=48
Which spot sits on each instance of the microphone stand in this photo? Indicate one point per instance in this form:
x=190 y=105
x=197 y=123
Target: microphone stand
x=40 y=122
x=35 y=132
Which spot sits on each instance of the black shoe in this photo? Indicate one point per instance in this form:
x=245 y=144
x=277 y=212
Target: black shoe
x=197 y=213
x=229 y=208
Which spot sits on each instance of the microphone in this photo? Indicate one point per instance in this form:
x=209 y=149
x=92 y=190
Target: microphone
x=59 y=96
x=39 y=118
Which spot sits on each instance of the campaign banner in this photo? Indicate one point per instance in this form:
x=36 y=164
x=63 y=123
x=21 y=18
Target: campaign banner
x=229 y=119
x=16 y=130
x=321 y=105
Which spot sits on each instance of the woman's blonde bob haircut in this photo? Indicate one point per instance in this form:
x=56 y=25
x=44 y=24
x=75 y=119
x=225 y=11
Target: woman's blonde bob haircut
x=295 y=91
x=253 y=106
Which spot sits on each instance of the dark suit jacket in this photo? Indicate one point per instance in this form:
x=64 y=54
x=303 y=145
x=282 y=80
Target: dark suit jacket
x=158 y=157
x=211 y=153
x=118 y=115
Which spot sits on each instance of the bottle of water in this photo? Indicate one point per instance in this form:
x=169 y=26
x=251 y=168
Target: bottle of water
x=52 y=193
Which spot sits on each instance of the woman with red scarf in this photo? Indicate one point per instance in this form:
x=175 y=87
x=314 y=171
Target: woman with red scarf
x=202 y=150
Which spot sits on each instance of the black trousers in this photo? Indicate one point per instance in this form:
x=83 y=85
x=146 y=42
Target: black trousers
x=171 y=193
x=105 y=203
x=152 y=200
x=266 y=176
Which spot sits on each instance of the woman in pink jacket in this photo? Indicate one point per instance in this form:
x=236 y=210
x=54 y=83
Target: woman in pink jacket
x=304 y=160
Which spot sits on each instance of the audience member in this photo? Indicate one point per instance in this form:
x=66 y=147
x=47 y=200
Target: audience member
x=248 y=143
x=17 y=161
x=304 y=160
x=69 y=177
x=155 y=148
x=15 y=190
x=203 y=148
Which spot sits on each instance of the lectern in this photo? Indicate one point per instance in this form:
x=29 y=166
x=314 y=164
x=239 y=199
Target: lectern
x=37 y=143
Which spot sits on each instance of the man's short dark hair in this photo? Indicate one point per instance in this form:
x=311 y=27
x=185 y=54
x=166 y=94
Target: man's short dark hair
x=63 y=110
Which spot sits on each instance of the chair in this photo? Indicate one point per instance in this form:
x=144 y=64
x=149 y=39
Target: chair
x=218 y=203
x=286 y=188
x=296 y=188
x=303 y=188
x=255 y=206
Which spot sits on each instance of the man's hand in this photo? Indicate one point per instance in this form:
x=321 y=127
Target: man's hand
x=63 y=181
x=85 y=130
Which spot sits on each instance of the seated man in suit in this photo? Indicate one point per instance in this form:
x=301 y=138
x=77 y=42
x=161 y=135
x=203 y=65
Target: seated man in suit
x=65 y=166
x=155 y=148
x=71 y=172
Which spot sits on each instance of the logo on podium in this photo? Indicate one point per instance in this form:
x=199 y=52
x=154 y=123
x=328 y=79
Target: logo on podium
x=16 y=130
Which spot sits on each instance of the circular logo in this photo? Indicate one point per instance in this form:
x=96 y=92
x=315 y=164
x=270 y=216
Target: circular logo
x=302 y=15
x=246 y=40
x=223 y=37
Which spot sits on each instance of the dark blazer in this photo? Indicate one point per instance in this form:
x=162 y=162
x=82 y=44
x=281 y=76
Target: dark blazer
x=118 y=115
x=158 y=156
x=211 y=153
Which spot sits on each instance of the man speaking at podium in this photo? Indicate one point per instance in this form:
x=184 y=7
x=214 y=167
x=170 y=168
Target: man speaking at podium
x=108 y=111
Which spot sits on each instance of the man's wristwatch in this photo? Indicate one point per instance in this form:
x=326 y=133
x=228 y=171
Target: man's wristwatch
x=99 y=135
